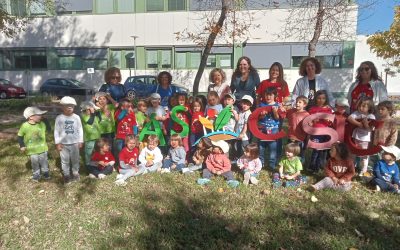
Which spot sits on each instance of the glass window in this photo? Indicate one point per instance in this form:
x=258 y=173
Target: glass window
x=165 y=59
x=39 y=60
x=195 y=58
x=333 y=61
x=115 y=59
x=130 y=59
x=18 y=8
x=70 y=62
x=125 y=6
x=152 y=59
x=37 y=8
x=105 y=6
x=155 y=5
x=176 y=4
x=225 y=61
x=211 y=61
x=180 y=60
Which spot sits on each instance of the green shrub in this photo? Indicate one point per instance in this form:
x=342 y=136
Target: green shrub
x=19 y=104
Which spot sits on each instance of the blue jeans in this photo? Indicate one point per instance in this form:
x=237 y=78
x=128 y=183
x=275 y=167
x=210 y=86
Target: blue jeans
x=318 y=159
x=167 y=163
x=274 y=149
x=120 y=144
x=228 y=175
x=385 y=186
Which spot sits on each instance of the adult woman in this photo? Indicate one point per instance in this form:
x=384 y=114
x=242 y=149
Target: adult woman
x=245 y=79
x=275 y=80
x=164 y=88
x=311 y=82
x=113 y=87
x=218 y=77
x=367 y=84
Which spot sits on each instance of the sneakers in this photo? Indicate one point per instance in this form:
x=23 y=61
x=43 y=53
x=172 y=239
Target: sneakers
x=35 y=178
x=165 y=170
x=233 y=183
x=120 y=182
x=253 y=180
x=186 y=171
x=67 y=180
x=46 y=176
x=246 y=178
x=377 y=188
x=101 y=176
x=92 y=176
x=203 y=181
x=119 y=176
x=75 y=177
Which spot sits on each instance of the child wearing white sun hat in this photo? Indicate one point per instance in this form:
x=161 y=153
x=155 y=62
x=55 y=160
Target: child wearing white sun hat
x=386 y=171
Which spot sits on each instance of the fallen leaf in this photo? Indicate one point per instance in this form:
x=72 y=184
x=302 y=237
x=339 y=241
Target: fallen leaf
x=300 y=190
x=220 y=190
x=359 y=234
x=15 y=222
x=372 y=215
x=41 y=191
x=314 y=199
x=265 y=192
x=26 y=220
x=340 y=219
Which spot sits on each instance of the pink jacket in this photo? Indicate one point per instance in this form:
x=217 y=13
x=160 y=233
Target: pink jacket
x=218 y=162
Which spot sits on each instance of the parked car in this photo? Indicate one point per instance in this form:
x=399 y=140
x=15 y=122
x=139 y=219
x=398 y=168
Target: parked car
x=65 y=87
x=9 y=90
x=141 y=86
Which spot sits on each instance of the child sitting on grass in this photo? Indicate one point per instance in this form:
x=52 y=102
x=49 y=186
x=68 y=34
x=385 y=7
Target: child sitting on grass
x=386 y=171
x=176 y=157
x=150 y=157
x=218 y=164
x=250 y=163
x=339 y=170
x=102 y=161
x=32 y=140
x=289 y=168
x=200 y=155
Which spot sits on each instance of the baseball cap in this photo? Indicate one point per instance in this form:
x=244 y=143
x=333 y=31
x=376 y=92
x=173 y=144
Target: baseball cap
x=155 y=96
x=67 y=100
x=248 y=98
x=30 y=111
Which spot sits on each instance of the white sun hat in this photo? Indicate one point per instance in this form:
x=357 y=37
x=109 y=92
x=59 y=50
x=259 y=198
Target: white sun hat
x=222 y=145
x=392 y=150
x=248 y=98
x=67 y=100
x=30 y=111
x=88 y=104
x=155 y=96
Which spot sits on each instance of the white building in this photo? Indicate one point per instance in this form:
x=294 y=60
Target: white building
x=97 y=34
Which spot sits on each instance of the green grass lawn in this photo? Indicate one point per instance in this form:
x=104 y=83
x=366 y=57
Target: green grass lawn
x=171 y=211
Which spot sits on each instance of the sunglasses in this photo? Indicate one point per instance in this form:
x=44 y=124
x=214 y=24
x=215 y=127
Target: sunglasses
x=365 y=69
x=115 y=77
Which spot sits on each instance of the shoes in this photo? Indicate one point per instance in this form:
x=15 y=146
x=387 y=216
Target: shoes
x=75 y=177
x=119 y=176
x=253 y=180
x=120 y=182
x=203 y=181
x=311 y=188
x=377 y=188
x=46 y=176
x=246 y=178
x=101 y=176
x=233 y=183
x=92 y=176
x=67 y=180
x=165 y=170
x=36 y=178
x=186 y=171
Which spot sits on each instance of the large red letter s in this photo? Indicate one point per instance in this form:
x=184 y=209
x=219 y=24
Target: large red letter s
x=320 y=131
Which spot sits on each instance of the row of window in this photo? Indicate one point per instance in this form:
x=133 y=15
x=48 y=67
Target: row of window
x=81 y=59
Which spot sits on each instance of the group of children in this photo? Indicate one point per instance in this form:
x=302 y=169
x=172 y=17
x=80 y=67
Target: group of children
x=108 y=130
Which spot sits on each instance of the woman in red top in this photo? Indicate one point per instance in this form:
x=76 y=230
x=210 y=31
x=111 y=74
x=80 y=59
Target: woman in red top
x=275 y=80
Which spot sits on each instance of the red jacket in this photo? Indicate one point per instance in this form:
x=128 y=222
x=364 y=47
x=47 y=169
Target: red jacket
x=218 y=162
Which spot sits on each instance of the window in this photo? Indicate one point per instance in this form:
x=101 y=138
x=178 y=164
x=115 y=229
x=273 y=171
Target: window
x=122 y=58
x=125 y=6
x=95 y=63
x=30 y=60
x=333 y=61
x=155 y=5
x=187 y=59
x=70 y=62
x=129 y=59
x=176 y=5
x=115 y=58
x=211 y=61
x=225 y=61
x=37 y=8
x=157 y=59
x=18 y=8
x=105 y=6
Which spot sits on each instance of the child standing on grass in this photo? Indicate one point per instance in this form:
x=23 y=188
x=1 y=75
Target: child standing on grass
x=91 y=130
x=32 y=140
x=126 y=122
x=387 y=134
x=128 y=161
x=68 y=137
x=289 y=168
x=241 y=126
x=176 y=157
x=184 y=116
x=339 y=170
x=386 y=171
x=213 y=107
x=150 y=157
x=102 y=161
x=106 y=121
x=140 y=114
x=250 y=163
x=200 y=155
x=218 y=164
x=362 y=134
x=196 y=128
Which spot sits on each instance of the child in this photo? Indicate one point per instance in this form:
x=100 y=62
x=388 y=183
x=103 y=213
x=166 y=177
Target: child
x=362 y=134
x=32 y=140
x=229 y=100
x=289 y=168
x=295 y=120
x=387 y=134
x=128 y=161
x=218 y=164
x=184 y=116
x=161 y=114
x=213 y=107
x=241 y=126
x=102 y=161
x=269 y=123
x=176 y=157
x=339 y=169
x=126 y=122
x=68 y=137
x=150 y=157
x=140 y=114
x=318 y=157
x=199 y=156
x=196 y=128
x=106 y=121
x=386 y=171
x=91 y=130
x=250 y=163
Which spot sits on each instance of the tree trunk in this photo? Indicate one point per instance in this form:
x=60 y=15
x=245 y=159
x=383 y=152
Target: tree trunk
x=210 y=42
x=318 y=29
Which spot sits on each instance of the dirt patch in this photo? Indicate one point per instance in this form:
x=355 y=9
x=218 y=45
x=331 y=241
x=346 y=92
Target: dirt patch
x=8 y=133
x=7 y=119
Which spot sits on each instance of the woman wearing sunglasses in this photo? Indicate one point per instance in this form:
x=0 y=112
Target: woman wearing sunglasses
x=113 y=87
x=367 y=84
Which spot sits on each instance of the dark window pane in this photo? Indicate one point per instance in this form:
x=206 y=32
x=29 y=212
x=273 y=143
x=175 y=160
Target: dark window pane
x=39 y=62
x=22 y=62
x=176 y=5
x=155 y=5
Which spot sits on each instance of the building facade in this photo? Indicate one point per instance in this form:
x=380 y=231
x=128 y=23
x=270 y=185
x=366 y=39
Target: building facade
x=139 y=36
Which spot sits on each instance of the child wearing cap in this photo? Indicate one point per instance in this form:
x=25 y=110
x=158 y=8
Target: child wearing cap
x=217 y=163
x=91 y=130
x=32 y=141
x=386 y=171
x=68 y=137
x=241 y=126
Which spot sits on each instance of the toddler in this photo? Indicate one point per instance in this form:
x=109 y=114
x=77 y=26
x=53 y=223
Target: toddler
x=32 y=141
x=241 y=126
x=91 y=130
x=386 y=171
x=250 y=163
x=126 y=122
x=196 y=128
x=338 y=171
x=176 y=157
x=213 y=107
x=387 y=134
x=140 y=114
x=150 y=157
x=68 y=137
x=289 y=168
x=199 y=156
x=102 y=161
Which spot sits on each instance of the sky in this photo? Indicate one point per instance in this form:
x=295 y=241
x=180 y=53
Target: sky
x=377 y=17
